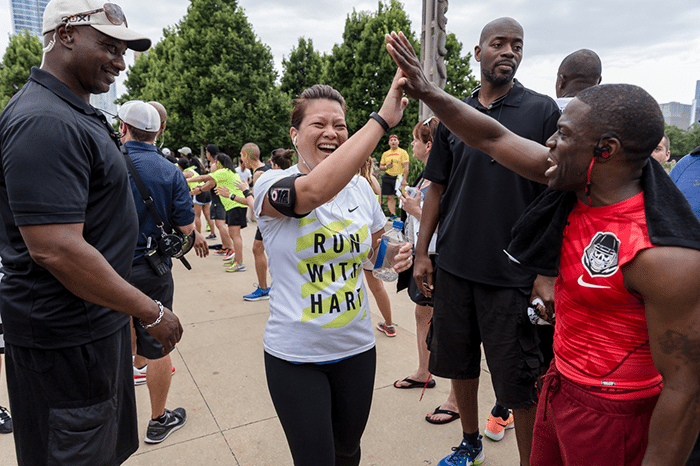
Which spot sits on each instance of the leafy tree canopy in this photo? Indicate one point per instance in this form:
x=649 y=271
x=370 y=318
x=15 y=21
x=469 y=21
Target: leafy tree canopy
x=302 y=69
x=362 y=71
x=23 y=52
x=217 y=82
x=683 y=141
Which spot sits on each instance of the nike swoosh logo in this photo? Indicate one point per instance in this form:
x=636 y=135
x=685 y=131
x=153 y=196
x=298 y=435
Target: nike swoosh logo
x=589 y=285
x=353 y=210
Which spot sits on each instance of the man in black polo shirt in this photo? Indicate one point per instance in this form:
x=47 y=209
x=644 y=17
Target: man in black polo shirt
x=479 y=297
x=68 y=235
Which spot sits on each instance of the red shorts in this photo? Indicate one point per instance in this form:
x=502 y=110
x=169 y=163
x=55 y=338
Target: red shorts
x=575 y=427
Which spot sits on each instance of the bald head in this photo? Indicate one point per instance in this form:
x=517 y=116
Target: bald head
x=578 y=71
x=162 y=113
x=496 y=26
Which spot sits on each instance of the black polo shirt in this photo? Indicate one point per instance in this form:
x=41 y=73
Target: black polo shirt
x=483 y=199
x=59 y=165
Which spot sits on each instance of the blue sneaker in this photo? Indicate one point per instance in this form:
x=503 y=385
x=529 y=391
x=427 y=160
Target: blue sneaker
x=258 y=295
x=464 y=455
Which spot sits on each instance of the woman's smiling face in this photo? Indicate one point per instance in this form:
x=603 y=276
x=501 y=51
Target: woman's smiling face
x=321 y=132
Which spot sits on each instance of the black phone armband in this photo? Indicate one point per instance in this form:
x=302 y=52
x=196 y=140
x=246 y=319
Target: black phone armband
x=282 y=196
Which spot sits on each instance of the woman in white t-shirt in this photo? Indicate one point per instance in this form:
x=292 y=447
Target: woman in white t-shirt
x=319 y=222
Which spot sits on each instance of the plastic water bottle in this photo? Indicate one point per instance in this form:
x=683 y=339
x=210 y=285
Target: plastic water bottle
x=388 y=248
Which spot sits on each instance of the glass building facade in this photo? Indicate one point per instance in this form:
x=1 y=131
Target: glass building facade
x=28 y=14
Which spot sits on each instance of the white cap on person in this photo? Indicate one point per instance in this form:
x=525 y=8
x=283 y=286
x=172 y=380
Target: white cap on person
x=108 y=18
x=140 y=115
x=185 y=151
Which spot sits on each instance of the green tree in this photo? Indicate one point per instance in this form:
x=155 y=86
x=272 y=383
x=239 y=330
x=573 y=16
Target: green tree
x=362 y=71
x=460 y=80
x=683 y=141
x=217 y=83
x=303 y=69
x=23 y=52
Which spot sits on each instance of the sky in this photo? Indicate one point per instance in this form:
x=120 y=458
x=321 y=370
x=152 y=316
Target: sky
x=653 y=44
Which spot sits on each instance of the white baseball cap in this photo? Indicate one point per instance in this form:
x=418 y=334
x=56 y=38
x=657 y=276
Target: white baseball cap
x=108 y=18
x=166 y=151
x=140 y=115
x=185 y=151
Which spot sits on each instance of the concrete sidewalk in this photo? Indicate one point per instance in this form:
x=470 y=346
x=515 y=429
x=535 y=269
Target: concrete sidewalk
x=220 y=381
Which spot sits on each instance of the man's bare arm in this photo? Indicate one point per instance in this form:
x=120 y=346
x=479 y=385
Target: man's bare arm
x=62 y=250
x=525 y=157
x=429 y=220
x=669 y=281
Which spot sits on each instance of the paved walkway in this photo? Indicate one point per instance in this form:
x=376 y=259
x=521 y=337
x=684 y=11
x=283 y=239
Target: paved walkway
x=220 y=381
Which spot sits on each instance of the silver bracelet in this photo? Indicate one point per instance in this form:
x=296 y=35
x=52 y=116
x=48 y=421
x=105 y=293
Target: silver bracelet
x=160 y=316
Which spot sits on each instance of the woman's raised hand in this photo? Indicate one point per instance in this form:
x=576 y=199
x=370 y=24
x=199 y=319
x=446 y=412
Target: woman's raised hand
x=394 y=102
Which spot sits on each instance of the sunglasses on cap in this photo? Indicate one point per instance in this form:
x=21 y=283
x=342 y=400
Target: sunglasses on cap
x=112 y=11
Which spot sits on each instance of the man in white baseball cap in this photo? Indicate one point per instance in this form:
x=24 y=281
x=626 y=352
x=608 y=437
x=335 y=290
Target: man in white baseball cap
x=68 y=247
x=140 y=115
x=108 y=18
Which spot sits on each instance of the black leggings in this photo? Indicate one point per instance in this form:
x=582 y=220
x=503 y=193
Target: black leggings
x=323 y=408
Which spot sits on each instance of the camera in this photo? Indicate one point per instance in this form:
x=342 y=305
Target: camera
x=169 y=245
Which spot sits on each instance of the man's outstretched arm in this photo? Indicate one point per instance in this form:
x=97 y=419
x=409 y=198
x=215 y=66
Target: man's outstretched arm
x=669 y=281
x=525 y=157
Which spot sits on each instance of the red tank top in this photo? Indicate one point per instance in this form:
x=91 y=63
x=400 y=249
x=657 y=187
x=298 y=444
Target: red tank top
x=601 y=335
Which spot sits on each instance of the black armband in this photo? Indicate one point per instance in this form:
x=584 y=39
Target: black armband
x=247 y=193
x=282 y=196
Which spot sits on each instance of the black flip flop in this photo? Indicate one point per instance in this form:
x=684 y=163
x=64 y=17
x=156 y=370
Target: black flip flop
x=452 y=415
x=414 y=383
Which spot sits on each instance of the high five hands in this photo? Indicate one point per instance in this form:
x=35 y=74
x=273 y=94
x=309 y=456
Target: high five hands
x=413 y=82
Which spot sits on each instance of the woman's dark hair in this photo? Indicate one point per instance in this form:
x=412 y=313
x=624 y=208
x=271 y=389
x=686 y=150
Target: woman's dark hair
x=425 y=129
x=224 y=160
x=183 y=163
x=315 y=92
x=283 y=158
x=171 y=159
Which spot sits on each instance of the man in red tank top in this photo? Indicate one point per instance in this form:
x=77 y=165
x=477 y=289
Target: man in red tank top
x=624 y=388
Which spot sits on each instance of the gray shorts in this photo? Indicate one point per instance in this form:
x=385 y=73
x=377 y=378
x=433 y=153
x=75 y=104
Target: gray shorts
x=468 y=314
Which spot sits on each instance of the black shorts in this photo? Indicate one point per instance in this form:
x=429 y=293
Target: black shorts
x=467 y=314
x=217 y=211
x=388 y=185
x=161 y=288
x=74 y=405
x=203 y=198
x=258 y=235
x=236 y=217
x=2 y=340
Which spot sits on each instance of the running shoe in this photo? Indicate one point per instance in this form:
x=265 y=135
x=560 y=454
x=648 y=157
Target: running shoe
x=464 y=455
x=223 y=252
x=258 y=295
x=5 y=421
x=212 y=236
x=496 y=426
x=389 y=330
x=236 y=267
x=230 y=255
x=159 y=431
x=140 y=375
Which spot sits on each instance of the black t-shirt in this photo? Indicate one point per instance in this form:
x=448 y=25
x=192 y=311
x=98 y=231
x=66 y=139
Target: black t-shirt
x=483 y=199
x=59 y=165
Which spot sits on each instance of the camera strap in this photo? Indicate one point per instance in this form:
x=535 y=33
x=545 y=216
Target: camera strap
x=147 y=199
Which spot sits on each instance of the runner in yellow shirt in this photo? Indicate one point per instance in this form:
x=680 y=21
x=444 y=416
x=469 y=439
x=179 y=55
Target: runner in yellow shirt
x=394 y=162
